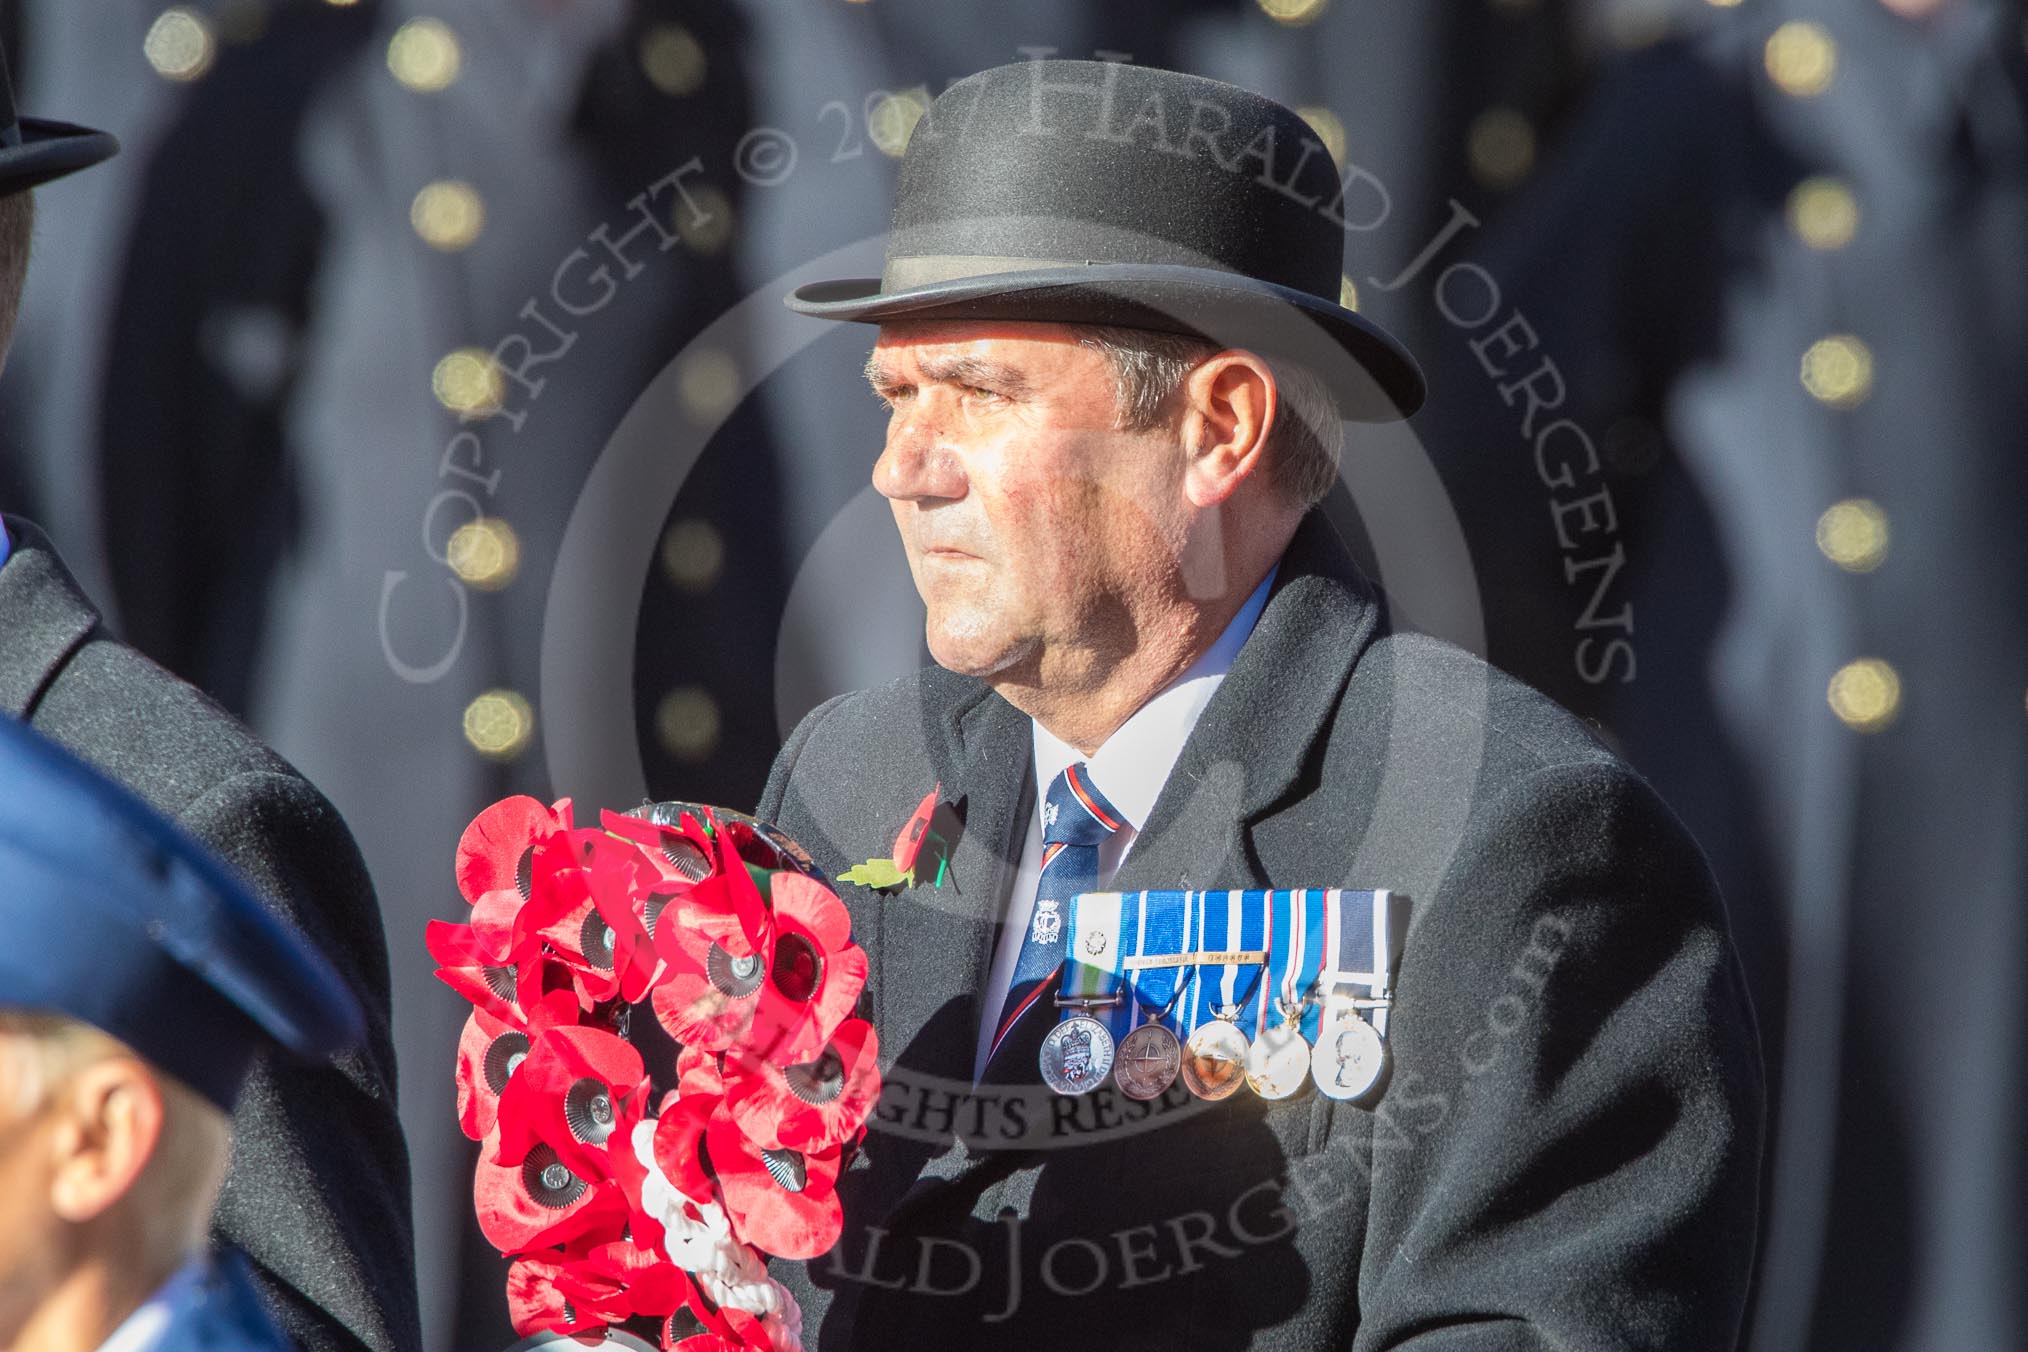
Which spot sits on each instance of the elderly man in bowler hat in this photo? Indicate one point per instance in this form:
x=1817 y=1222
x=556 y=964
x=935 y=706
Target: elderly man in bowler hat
x=139 y=980
x=318 y=1192
x=1117 y=369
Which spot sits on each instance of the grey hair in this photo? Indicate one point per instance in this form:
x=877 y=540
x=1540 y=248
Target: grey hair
x=1148 y=368
x=17 y=232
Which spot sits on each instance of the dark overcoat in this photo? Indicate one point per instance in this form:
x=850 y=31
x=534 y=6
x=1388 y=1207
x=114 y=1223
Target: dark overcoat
x=1564 y=1155
x=318 y=1192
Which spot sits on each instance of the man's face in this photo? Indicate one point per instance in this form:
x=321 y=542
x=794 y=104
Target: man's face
x=1035 y=531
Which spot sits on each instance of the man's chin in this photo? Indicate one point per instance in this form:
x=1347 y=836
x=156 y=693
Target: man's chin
x=969 y=651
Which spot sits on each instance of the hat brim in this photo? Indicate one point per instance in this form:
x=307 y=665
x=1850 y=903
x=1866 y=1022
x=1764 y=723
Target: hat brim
x=1382 y=382
x=49 y=150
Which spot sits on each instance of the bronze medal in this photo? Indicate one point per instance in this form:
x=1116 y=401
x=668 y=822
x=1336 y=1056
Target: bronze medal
x=1214 y=1063
x=1278 y=1066
x=1349 y=1056
x=1148 y=1062
x=1077 y=1055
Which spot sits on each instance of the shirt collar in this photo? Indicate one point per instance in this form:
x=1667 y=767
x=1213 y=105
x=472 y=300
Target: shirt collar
x=144 y=1328
x=1135 y=761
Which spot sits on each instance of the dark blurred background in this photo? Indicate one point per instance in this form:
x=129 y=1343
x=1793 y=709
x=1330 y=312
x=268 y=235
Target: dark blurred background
x=1725 y=309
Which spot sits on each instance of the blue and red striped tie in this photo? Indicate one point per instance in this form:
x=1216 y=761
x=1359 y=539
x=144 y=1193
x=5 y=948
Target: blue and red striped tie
x=1076 y=819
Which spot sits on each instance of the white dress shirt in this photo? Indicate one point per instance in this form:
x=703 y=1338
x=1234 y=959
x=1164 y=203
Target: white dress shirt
x=142 y=1329
x=1130 y=770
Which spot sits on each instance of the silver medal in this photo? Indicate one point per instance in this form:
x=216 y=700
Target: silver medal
x=1349 y=1056
x=1278 y=1066
x=1149 y=1060
x=1077 y=1055
x=1214 y=1062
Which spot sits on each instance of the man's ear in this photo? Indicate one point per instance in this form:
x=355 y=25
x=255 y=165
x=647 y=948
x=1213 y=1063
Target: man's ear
x=110 y=1119
x=1230 y=404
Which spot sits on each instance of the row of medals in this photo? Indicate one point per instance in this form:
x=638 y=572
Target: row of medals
x=1345 y=1062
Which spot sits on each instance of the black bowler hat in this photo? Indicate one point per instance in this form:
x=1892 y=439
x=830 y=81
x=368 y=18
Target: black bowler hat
x=1105 y=193
x=34 y=150
x=111 y=915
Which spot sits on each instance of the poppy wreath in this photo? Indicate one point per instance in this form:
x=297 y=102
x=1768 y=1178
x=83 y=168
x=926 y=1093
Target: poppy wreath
x=663 y=1066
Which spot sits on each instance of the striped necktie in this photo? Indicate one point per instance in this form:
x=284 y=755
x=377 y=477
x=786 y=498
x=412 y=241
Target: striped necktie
x=1076 y=818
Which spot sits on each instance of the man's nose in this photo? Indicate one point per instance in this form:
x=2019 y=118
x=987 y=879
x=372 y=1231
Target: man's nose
x=918 y=461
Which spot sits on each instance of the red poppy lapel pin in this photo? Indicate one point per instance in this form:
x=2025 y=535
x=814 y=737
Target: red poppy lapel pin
x=898 y=870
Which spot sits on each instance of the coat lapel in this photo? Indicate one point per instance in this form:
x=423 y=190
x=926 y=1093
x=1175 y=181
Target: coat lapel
x=936 y=944
x=43 y=618
x=1255 y=736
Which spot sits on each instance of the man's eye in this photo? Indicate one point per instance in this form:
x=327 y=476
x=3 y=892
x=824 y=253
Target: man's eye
x=981 y=392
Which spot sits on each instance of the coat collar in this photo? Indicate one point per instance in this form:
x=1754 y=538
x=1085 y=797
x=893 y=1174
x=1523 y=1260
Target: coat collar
x=43 y=618
x=1256 y=734
x=1247 y=750
x=936 y=944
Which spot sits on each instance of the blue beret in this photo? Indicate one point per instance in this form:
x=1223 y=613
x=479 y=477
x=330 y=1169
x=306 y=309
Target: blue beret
x=111 y=915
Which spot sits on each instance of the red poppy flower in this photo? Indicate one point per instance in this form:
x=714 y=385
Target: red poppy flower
x=729 y=905
x=681 y=853
x=577 y=1088
x=491 y=1050
x=623 y=882
x=479 y=962
x=679 y=1145
x=812 y=1105
x=782 y=1201
x=540 y=1291
x=496 y=850
x=815 y=971
x=641 y=1279
x=908 y=845
x=541 y=1200
x=708 y=992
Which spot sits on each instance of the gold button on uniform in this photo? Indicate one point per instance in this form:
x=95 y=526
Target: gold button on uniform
x=893 y=119
x=672 y=59
x=704 y=222
x=692 y=553
x=468 y=382
x=1866 y=694
x=1330 y=129
x=1500 y=145
x=180 y=44
x=1853 y=534
x=686 y=723
x=1292 y=12
x=707 y=382
x=448 y=214
x=423 y=54
x=499 y=724
x=1801 y=58
x=484 y=553
x=1838 y=370
x=1823 y=213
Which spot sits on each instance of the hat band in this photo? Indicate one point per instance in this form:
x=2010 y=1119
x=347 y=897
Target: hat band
x=927 y=269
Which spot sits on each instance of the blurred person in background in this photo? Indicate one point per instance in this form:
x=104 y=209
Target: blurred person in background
x=120 y=1059
x=318 y=1196
x=1761 y=519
